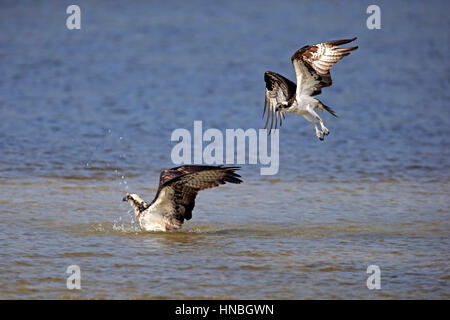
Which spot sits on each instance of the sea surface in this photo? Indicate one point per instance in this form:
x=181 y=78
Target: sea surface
x=87 y=116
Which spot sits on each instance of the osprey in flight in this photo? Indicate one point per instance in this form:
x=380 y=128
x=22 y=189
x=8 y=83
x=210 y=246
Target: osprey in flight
x=176 y=194
x=312 y=66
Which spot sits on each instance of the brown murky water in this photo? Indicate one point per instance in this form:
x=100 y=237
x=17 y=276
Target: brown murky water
x=234 y=247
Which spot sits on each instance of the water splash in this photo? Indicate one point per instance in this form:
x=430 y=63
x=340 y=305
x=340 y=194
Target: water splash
x=126 y=227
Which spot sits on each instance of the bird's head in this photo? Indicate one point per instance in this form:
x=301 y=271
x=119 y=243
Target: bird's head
x=136 y=202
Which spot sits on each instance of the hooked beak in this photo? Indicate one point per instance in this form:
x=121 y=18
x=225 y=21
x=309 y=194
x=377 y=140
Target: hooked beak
x=126 y=198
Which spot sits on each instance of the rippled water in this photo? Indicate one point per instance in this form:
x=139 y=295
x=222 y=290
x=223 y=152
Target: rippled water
x=86 y=116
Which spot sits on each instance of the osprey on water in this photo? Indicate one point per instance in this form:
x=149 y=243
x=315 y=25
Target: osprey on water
x=176 y=194
x=312 y=66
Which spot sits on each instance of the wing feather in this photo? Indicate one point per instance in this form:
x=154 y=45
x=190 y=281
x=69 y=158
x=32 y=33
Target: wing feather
x=186 y=181
x=313 y=63
x=279 y=90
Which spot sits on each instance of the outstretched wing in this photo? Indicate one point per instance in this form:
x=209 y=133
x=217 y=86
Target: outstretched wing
x=279 y=90
x=312 y=65
x=186 y=182
x=172 y=173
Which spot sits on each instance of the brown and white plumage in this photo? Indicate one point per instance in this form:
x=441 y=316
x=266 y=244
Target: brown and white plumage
x=175 y=199
x=279 y=90
x=312 y=65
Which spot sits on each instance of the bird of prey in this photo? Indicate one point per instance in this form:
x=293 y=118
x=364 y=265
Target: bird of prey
x=312 y=65
x=176 y=194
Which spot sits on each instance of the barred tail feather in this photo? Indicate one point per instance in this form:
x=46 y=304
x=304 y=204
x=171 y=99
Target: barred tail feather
x=322 y=107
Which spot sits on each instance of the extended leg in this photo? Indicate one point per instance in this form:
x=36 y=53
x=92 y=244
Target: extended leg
x=315 y=115
x=319 y=133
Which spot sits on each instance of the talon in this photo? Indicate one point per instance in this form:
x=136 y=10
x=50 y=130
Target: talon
x=320 y=135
